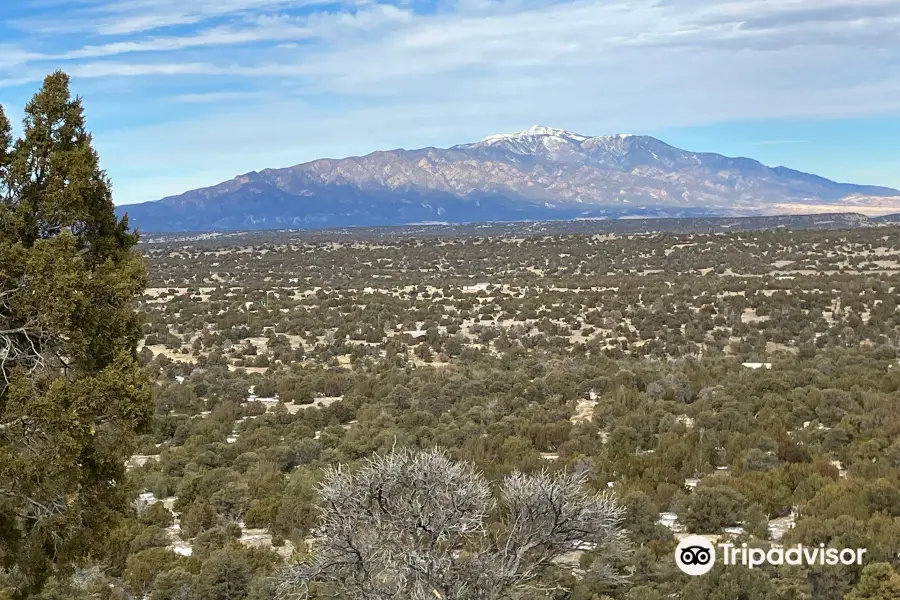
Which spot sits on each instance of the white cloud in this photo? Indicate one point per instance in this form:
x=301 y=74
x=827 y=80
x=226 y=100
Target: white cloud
x=266 y=30
x=124 y=69
x=12 y=57
x=123 y=17
x=294 y=85
x=220 y=97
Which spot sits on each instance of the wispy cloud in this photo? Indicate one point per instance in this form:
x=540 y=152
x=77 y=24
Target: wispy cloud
x=124 y=17
x=220 y=97
x=266 y=29
x=285 y=80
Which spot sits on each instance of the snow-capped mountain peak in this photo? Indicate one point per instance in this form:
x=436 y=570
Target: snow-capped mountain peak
x=536 y=130
x=539 y=173
x=539 y=140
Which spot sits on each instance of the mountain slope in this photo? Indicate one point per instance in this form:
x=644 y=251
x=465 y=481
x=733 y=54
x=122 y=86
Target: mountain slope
x=537 y=174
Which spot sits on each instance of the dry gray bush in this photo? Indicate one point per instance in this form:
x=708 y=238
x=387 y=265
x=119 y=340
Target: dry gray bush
x=413 y=525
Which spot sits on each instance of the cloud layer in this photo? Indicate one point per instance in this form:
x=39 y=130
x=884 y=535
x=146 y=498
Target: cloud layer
x=195 y=92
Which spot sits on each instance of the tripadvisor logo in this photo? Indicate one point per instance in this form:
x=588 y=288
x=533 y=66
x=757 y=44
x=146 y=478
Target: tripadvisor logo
x=696 y=555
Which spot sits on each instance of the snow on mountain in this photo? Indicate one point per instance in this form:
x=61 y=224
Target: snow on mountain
x=568 y=147
x=537 y=130
x=556 y=144
x=539 y=173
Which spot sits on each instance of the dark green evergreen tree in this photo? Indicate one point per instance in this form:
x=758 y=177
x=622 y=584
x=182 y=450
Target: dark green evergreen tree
x=879 y=582
x=226 y=575
x=72 y=395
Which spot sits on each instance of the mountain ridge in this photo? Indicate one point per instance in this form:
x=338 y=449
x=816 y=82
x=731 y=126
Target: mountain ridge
x=541 y=173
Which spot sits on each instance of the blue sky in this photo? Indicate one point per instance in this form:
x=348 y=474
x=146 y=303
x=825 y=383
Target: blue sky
x=186 y=93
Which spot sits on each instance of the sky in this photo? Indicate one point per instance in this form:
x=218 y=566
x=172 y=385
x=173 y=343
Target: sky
x=181 y=94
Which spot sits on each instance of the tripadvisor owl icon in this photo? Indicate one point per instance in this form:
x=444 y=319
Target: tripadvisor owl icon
x=695 y=555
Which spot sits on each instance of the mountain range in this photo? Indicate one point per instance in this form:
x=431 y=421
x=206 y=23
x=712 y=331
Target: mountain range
x=541 y=173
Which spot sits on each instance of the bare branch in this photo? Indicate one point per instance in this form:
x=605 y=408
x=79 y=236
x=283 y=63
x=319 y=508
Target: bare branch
x=414 y=525
x=23 y=345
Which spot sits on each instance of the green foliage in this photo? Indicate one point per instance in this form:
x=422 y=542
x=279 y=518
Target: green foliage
x=712 y=508
x=153 y=536
x=157 y=514
x=731 y=583
x=297 y=513
x=226 y=575
x=144 y=566
x=879 y=581
x=641 y=519
x=174 y=584
x=217 y=538
x=72 y=395
x=198 y=517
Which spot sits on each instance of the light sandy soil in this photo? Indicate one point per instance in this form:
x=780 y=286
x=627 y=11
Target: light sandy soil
x=750 y=316
x=584 y=411
x=259 y=370
x=139 y=460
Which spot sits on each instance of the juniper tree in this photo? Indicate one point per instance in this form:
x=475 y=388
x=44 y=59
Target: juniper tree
x=420 y=526
x=879 y=581
x=72 y=395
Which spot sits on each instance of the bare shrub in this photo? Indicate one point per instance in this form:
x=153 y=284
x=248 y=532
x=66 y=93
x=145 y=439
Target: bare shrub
x=416 y=525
